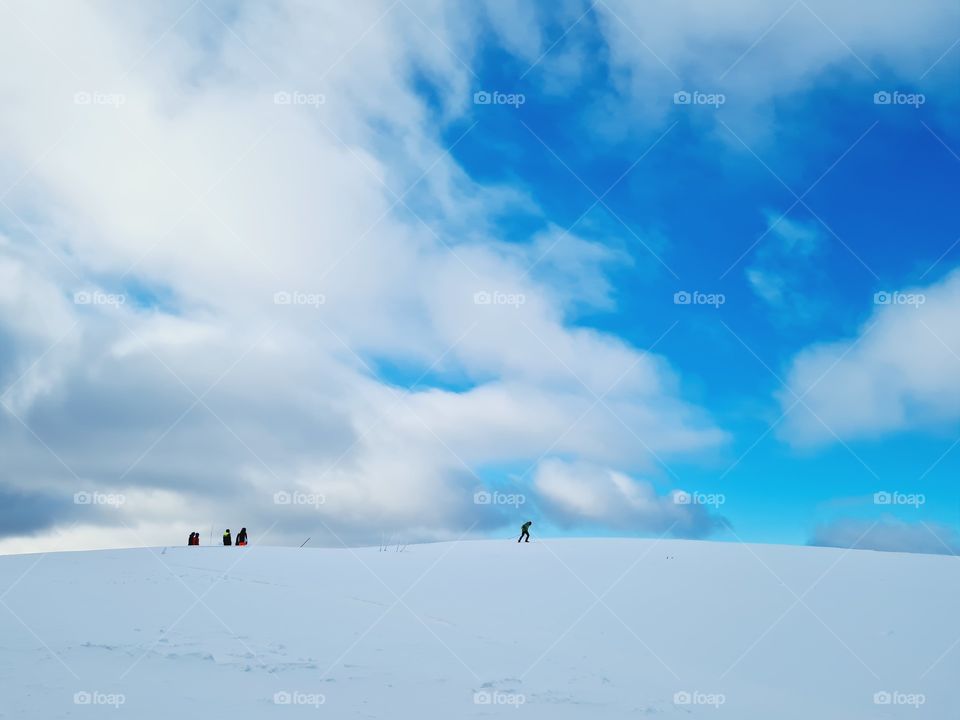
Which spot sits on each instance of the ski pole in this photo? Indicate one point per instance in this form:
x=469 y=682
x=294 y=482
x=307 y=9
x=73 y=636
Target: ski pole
x=305 y=542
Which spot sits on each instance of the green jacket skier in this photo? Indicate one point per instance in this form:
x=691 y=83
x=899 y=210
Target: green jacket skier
x=525 y=531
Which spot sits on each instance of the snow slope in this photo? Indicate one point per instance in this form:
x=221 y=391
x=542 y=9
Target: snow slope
x=555 y=629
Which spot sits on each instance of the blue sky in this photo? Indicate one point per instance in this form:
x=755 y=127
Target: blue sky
x=248 y=251
x=882 y=207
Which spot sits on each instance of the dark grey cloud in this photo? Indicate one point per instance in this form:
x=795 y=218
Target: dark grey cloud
x=23 y=513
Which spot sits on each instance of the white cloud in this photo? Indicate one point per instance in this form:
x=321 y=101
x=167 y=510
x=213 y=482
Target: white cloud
x=888 y=534
x=588 y=494
x=199 y=188
x=756 y=51
x=783 y=268
x=901 y=372
x=518 y=26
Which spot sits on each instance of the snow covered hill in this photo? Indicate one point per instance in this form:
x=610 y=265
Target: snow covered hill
x=555 y=629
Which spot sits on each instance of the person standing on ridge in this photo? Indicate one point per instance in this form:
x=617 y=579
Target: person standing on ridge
x=525 y=531
x=226 y=537
x=190 y=539
x=242 y=537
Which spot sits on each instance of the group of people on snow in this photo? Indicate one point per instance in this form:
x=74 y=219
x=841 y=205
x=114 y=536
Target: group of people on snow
x=241 y=537
x=194 y=538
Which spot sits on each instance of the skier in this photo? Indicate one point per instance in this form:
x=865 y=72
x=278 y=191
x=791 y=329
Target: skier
x=190 y=539
x=525 y=531
x=196 y=538
x=226 y=537
x=242 y=537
